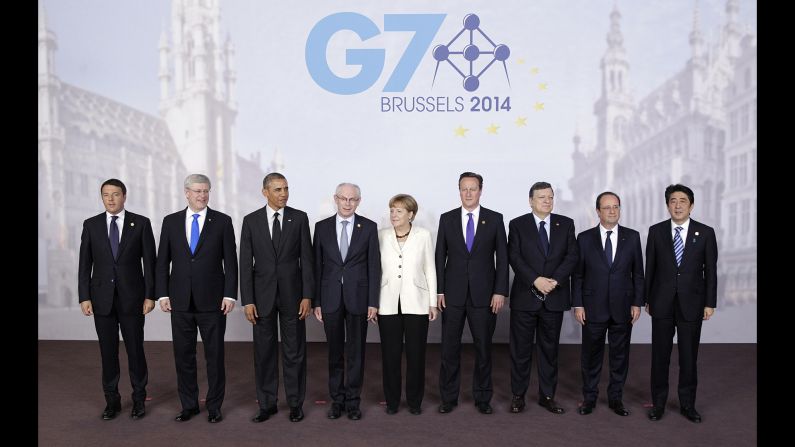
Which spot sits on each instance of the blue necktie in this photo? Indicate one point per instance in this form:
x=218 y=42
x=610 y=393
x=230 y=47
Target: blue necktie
x=113 y=235
x=470 y=233
x=679 y=246
x=609 y=249
x=543 y=238
x=194 y=234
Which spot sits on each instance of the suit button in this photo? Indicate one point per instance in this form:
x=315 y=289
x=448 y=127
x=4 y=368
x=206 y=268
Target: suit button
x=400 y=256
x=191 y=259
x=400 y=266
x=398 y=276
x=112 y=280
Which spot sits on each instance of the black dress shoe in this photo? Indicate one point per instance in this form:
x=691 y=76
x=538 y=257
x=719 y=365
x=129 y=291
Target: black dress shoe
x=138 y=410
x=484 y=407
x=586 y=407
x=354 y=414
x=691 y=414
x=447 y=407
x=415 y=410
x=335 y=411
x=296 y=414
x=550 y=404
x=111 y=410
x=618 y=407
x=214 y=417
x=263 y=415
x=185 y=415
x=391 y=410
x=656 y=413
x=517 y=404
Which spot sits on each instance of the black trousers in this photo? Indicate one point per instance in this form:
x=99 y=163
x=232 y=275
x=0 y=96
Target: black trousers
x=132 y=329
x=662 y=341
x=346 y=335
x=284 y=314
x=592 y=355
x=212 y=326
x=481 y=325
x=394 y=329
x=543 y=326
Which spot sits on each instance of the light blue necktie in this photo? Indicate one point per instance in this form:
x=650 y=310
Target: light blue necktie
x=194 y=234
x=679 y=246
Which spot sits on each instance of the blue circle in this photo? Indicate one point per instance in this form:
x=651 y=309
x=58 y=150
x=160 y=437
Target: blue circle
x=501 y=52
x=471 y=83
x=471 y=22
x=471 y=52
x=441 y=52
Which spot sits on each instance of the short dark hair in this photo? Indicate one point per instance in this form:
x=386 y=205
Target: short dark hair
x=540 y=185
x=271 y=177
x=607 y=193
x=472 y=175
x=114 y=182
x=678 y=188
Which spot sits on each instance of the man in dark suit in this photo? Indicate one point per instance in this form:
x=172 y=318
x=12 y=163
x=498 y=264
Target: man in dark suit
x=197 y=283
x=115 y=288
x=276 y=286
x=472 y=281
x=681 y=292
x=347 y=285
x=607 y=295
x=543 y=253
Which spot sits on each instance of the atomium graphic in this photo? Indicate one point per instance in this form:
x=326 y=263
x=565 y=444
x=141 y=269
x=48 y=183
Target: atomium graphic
x=471 y=53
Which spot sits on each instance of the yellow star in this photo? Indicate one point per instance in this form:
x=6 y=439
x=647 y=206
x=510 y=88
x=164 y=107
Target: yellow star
x=492 y=129
x=460 y=131
x=539 y=106
x=542 y=86
x=521 y=121
x=534 y=70
x=520 y=61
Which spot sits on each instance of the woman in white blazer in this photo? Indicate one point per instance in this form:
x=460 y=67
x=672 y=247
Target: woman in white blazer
x=408 y=302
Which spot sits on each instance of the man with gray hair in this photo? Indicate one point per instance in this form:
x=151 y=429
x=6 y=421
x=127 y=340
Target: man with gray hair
x=347 y=290
x=196 y=281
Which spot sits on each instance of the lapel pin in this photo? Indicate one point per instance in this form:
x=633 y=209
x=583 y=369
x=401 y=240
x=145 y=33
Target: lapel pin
x=358 y=225
x=483 y=222
x=557 y=224
x=209 y=220
x=132 y=224
x=696 y=233
x=289 y=220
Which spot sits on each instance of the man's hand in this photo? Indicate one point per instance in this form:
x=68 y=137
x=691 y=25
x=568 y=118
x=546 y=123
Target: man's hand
x=318 y=314
x=708 y=311
x=545 y=285
x=433 y=313
x=86 y=307
x=497 y=302
x=227 y=306
x=165 y=305
x=304 y=308
x=372 y=314
x=635 y=311
x=149 y=304
x=250 y=311
x=579 y=315
x=440 y=301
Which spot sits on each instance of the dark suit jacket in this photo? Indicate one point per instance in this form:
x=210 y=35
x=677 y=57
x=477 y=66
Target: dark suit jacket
x=695 y=281
x=360 y=272
x=99 y=274
x=529 y=262
x=262 y=268
x=458 y=270
x=605 y=291
x=210 y=274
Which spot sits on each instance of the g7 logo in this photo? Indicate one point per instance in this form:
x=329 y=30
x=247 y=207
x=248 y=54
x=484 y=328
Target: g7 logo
x=424 y=26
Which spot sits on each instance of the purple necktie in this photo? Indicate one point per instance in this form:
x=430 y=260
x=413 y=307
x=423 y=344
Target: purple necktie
x=470 y=233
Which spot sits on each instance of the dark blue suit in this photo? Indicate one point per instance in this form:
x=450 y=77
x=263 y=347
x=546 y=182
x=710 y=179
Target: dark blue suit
x=344 y=289
x=607 y=293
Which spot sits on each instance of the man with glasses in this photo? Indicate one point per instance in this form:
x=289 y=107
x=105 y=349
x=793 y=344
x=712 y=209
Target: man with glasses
x=196 y=281
x=347 y=289
x=543 y=253
x=607 y=293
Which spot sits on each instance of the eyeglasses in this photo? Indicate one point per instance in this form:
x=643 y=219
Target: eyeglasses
x=348 y=200
x=608 y=208
x=199 y=191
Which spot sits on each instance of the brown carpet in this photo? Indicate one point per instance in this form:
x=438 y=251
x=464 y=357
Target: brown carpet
x=70 y=402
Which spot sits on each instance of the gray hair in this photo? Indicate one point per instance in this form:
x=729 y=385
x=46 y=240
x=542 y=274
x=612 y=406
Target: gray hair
x=197 y=178
x=354 y=185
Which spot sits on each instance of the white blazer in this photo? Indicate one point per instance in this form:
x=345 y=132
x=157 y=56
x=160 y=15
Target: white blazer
x=408 y=273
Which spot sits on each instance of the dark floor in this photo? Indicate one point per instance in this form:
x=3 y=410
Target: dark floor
x=70 y=402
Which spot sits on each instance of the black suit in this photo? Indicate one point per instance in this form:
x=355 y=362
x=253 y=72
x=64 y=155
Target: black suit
x=607 y=292
x=530 y=317
x=468 y=280
x=275 y=279
x=196 y=285
x=345 y=288
x=117 y=289
x=677 y=296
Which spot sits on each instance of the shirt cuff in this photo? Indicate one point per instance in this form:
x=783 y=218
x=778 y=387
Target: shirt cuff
x=230 y=299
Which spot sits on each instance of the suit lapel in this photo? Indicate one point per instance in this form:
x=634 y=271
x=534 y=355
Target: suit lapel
x=208 y=222
x=287 y=227
x=596 y=240
x=126 y=231
x=455 y=222
x=691 y=239
x=332 y=236
x=261 y=224
x=394 y=243
x=356 y=234
x=481 y=228
x=103 y=230
x=534 y=236
x=621 y=243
